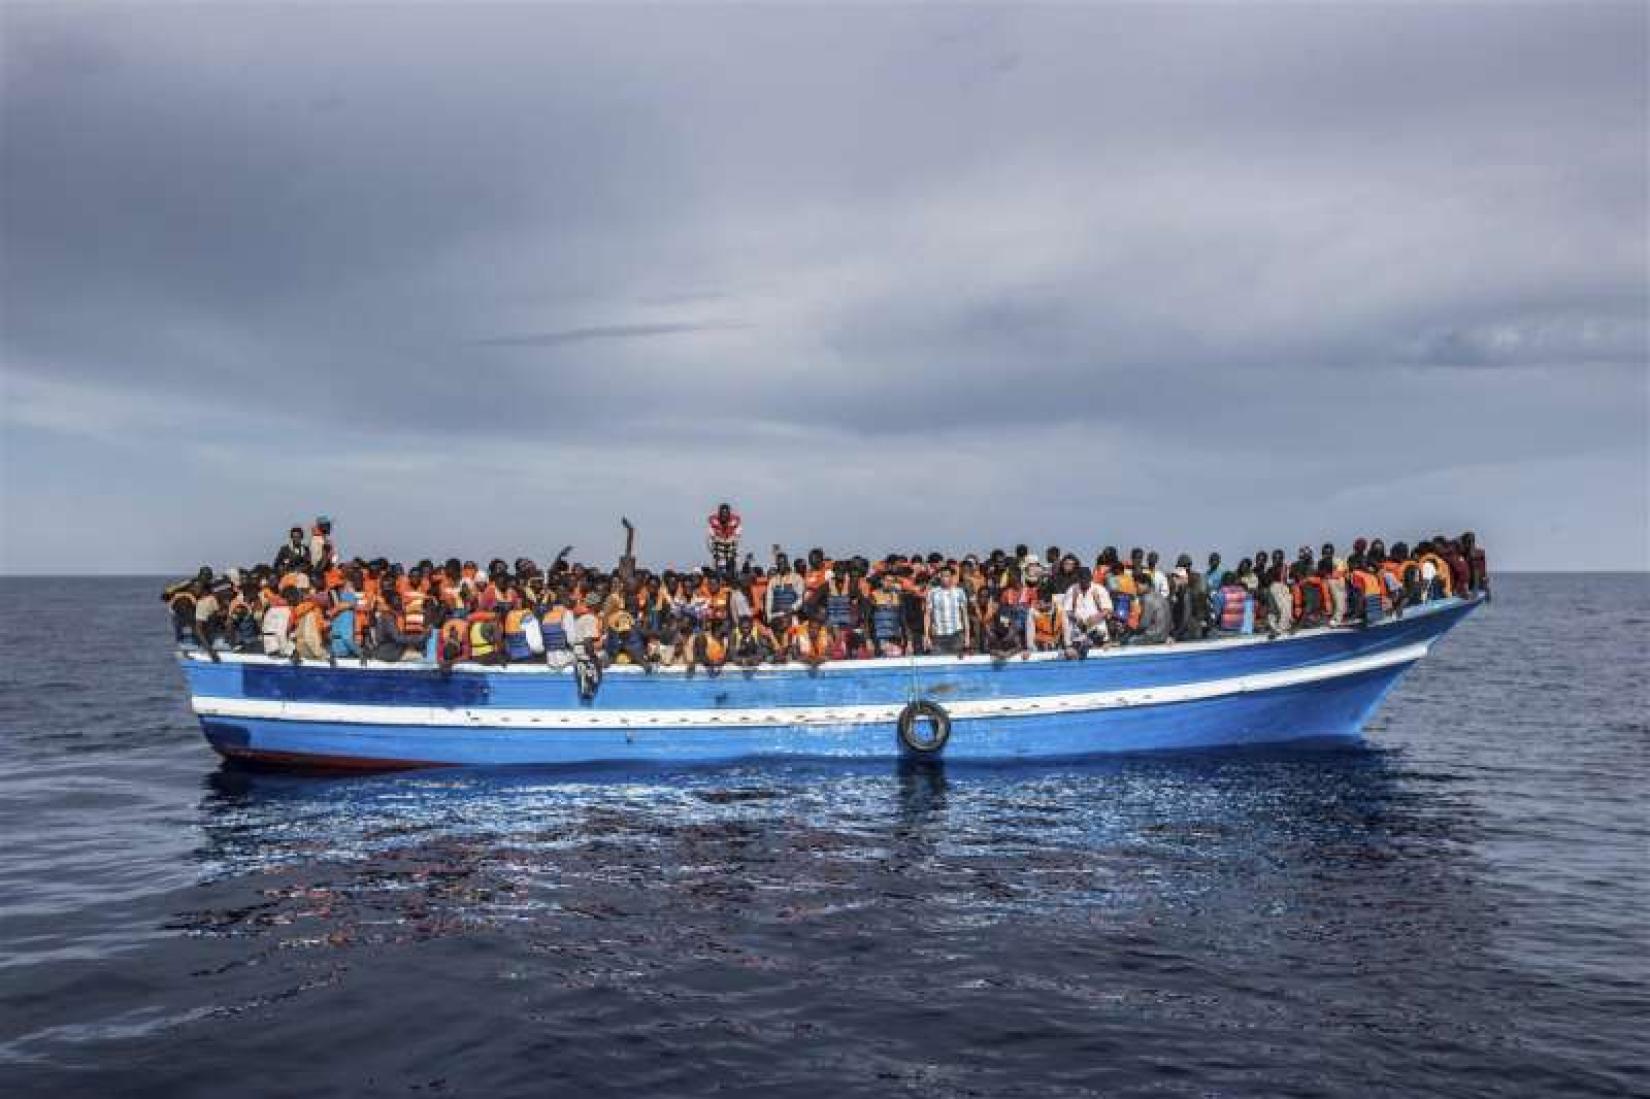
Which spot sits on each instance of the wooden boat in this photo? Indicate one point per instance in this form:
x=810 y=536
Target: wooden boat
x=1314 y=684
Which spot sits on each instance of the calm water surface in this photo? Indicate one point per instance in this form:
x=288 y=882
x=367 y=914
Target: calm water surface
x=1458 y=909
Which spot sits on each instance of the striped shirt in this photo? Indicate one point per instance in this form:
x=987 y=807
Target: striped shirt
x=947 y=605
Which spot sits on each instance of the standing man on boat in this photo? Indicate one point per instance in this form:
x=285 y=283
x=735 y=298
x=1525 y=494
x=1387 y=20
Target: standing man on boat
x=322 y=553
x=723 y=540
x=295 y=555
x=947 y=619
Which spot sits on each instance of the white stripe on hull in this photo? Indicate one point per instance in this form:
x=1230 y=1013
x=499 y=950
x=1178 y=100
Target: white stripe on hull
x=578 y=718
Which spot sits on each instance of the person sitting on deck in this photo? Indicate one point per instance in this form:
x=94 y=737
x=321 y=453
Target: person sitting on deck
x=1156 y=623
x=343 y=625
x=1005 y=631
x=1314 y=604
x=750 y=643
x=1189 y=595
x=275 y=625
x=1234 y=607
x=1048 y=626
x=702 y=648
x=309 y=629
x=808 y=640
x=1086 y=607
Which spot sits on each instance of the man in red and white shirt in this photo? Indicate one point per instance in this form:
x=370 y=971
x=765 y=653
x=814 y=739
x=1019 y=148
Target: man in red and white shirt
x=723 y=540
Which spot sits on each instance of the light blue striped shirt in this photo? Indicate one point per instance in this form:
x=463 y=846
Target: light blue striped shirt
x=948 y=605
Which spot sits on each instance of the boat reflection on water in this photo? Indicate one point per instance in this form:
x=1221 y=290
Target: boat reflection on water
x=465 y=849
x=710 y=913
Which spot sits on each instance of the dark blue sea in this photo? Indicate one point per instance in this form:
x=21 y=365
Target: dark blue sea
x=1460 y=908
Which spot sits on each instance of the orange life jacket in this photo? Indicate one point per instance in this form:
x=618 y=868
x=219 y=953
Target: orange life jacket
x=717 y=601
x=1317 y=584
x=1369 y=584
x=1125 y=587
x=413 y=621
x=1049 y=627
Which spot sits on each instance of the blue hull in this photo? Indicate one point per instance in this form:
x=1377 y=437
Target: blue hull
x=1320 y=684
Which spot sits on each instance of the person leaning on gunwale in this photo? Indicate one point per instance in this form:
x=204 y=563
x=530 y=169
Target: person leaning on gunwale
x=310 y=603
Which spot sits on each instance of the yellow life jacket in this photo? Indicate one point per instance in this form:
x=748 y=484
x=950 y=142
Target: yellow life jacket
x=483 y=634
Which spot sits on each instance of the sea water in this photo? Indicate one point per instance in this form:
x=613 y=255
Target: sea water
x=1459 y=908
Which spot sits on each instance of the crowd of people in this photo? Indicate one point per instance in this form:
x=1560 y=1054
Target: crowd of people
x=310 y=603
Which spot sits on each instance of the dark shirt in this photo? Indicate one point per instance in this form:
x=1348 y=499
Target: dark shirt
x=291 y=558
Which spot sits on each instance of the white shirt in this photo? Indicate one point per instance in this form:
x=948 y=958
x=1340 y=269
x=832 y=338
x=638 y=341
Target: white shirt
x=1084 y=608
x=947 y=606
x=275 y=625
x=586 y=627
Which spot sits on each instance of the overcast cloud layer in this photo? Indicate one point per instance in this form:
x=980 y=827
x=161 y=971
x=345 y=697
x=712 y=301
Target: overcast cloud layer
x=478 y=280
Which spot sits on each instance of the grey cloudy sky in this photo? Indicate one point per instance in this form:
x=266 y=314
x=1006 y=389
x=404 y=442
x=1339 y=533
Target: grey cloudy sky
x=476 y=280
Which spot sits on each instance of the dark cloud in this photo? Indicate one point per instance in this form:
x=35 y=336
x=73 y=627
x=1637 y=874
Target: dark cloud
x=1125 y=254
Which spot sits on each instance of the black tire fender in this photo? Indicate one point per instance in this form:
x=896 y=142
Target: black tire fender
x=910 y=734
